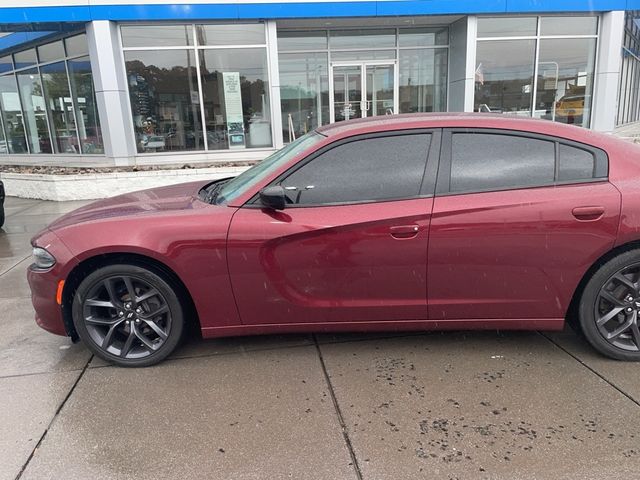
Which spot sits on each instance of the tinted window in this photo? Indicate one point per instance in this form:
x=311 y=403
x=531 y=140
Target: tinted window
x=363 y=170
x=481 y=161
x=575 y=164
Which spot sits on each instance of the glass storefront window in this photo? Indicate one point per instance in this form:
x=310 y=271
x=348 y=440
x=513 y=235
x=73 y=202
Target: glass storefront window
x=60 y=107
x=226 y=107
x=12 y=115
x=423 y=37
x=549 y=76
x=568 y=25
x=84 y=99
x=6 y=65
x=507 y=26
x=423 y=80
x=156 y=35
x=363 y=55
x=50 y=107
x=352 y=39
x=306 y=40
x=25 y=59
x=304 y=92
x=33 y=107
x=4 y=146
x=236 y=98
x=376 y=71
x=77 y=45
x=51 y=51
x=233 y=34
x=504 y=76
x=565 y=80
x=163 y=89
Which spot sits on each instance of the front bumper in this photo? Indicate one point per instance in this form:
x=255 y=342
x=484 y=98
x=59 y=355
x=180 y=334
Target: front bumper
x=44 y=285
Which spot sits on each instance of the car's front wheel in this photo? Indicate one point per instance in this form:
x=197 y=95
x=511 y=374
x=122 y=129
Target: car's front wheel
x=128 y=315
x=610 y=308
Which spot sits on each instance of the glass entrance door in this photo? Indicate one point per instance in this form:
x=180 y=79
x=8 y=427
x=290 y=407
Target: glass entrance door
x=380 y=83
x=363 y=89
x=347 y=92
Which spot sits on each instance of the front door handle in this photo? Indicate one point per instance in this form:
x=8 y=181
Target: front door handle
x=588 y=213
x=404 y=231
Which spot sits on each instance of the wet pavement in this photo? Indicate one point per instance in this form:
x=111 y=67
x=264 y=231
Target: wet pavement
x=462 y=405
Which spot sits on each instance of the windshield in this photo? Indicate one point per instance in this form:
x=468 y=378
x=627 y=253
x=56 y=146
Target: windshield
x=246 y=179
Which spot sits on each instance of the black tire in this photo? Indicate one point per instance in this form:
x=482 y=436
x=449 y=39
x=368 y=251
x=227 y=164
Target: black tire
x=129 y=333
x=614 y=287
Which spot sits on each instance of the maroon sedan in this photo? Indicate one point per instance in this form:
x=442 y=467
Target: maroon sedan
x=411 y=222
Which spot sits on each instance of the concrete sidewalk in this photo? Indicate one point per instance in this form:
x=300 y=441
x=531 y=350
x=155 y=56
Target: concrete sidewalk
x=451 y=406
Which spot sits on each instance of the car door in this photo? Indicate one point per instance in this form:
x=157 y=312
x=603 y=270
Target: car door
x=351 y=245
x=517 y=221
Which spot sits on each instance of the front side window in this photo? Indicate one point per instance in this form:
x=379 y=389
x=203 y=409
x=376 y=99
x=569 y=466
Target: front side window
x=482 y=161
x=255 y=174
x=365 y=170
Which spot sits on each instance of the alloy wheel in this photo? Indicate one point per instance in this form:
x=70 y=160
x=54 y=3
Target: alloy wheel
x=617 y=309
x=126 y=316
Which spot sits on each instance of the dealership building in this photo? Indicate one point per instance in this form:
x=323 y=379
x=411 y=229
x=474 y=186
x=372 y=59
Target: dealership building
x=101 y=83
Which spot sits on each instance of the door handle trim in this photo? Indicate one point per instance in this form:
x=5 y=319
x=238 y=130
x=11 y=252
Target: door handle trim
x=404 y=231
x=588 y=213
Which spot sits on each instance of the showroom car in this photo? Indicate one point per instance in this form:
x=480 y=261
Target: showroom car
x=398 y=223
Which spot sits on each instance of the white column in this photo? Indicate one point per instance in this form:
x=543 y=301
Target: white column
x=110 y=81
x=274 y=84
x=607 y=76
x=462 y=59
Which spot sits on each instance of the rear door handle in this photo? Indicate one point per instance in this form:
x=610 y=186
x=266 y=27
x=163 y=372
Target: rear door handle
x=404 y=231
x=588 y=213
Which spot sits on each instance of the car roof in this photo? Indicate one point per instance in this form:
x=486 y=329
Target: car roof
x=464 y=120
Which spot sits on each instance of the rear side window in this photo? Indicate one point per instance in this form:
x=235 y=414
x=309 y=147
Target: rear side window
x=575 y=164
x=364 y=170
x=487 y=161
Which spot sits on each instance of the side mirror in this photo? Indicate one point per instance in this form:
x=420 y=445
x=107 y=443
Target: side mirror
x=273 y=197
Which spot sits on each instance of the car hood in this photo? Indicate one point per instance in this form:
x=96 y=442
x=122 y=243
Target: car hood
x=143 y=202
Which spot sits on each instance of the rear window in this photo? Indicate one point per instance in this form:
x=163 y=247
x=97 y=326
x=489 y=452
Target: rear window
x=575 y=164
x=488 y=161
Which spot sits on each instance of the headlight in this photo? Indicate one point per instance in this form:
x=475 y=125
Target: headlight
x=43 y=259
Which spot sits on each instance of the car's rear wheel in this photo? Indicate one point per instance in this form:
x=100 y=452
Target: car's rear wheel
x=128 y=315
x=610 y=308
